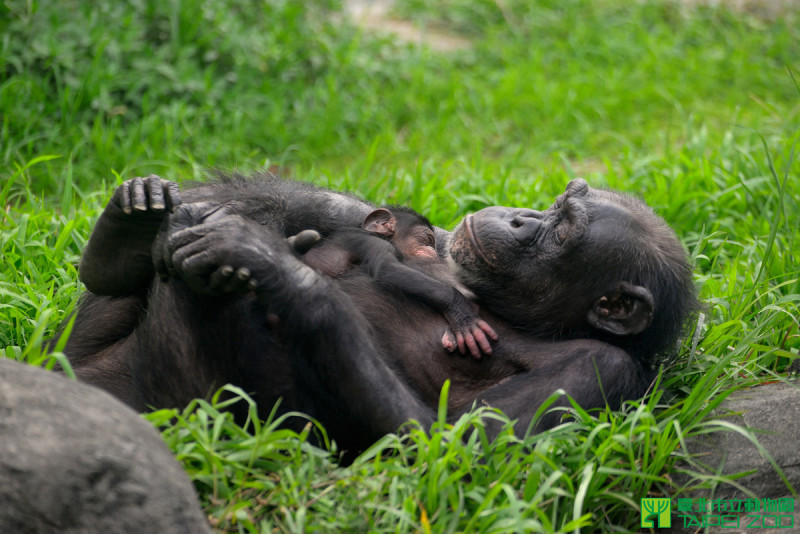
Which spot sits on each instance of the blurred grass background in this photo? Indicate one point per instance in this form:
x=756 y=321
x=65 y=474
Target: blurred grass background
x=693 y=108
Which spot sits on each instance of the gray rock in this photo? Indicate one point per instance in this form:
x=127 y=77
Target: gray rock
x=772 y=411
x=73 y=459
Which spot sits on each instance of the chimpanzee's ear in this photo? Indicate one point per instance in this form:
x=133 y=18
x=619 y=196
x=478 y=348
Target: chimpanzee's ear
x=381 y=222
x=628 y=310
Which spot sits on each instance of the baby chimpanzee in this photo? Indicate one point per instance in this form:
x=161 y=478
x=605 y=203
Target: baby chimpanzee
x=397 y=248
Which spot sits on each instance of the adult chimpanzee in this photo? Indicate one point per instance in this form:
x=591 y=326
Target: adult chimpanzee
x=584 y=296
x=397 y=249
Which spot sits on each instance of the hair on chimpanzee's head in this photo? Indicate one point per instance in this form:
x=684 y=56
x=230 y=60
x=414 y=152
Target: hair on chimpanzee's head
x=655 y=259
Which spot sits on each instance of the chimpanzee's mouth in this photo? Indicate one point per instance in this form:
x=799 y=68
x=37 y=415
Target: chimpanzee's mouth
x=468 y=224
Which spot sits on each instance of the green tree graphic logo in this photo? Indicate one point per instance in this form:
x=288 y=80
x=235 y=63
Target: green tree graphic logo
x=657 y=510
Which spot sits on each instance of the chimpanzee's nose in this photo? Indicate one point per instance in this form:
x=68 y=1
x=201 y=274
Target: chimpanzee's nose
x=523 y=216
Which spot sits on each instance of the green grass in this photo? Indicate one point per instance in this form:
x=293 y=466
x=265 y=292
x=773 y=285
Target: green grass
x=696 y=110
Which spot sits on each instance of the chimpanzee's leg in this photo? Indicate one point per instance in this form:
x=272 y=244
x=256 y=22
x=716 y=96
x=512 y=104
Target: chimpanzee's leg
x=186 y=345
x=327 y=342
x=95 y=345
x=161 y=351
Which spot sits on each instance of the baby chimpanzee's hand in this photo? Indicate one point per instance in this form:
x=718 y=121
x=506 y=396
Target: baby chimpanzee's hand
x=471 y=336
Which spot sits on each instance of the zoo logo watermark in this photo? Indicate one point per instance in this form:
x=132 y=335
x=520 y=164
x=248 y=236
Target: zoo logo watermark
x=656 y=510
x=725 y=513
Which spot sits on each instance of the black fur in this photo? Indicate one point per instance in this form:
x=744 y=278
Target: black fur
x=396 y=247
x=596 y=287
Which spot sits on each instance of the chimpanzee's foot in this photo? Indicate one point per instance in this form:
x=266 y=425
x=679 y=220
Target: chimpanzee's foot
x=231 y=254
x=150 y=194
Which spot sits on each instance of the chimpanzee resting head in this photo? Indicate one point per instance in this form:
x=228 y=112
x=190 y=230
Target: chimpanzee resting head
x=595 y=264
x=410 y=232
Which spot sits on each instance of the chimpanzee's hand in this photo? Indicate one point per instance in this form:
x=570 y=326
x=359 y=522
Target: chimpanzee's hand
x=469 y=333
x=117 y=258
x=151 y=195
x=186 y=216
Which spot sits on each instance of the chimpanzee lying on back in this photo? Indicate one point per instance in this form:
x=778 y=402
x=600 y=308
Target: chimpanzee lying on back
x=397 y=249
x=584 y=296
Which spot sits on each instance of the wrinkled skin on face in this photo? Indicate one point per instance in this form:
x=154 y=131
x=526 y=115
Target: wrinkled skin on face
x=418 y=241
x=595 y=263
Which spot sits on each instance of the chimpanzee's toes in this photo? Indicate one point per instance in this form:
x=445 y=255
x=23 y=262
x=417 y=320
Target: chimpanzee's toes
x=303 y=241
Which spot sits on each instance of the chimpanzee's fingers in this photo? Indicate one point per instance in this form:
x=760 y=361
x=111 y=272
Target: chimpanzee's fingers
x=182 y=238
x=198 y=265
x=125 y=197
x=147 y=194
x=172 y=195
x=155 y=193
x=220 y=278
x=239 y=281
x=462 y=348
x=482 y=341
x=449 y=341
x=469 y=339
x=303 y=241
x=196 y=270
x=138 y=195
x=488 y=330
x=227 y=279
x=188 y=243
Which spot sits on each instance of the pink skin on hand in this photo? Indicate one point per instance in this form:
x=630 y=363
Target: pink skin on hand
x=474 y=339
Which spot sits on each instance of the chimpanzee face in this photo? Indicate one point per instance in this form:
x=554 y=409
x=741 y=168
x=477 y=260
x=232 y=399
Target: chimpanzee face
x=551 y=266
x=415 y=239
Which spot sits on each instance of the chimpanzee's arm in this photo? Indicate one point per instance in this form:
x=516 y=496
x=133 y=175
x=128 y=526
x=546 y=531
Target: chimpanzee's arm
x=289 y=206
x=117 y=259
x=379 y=259
x=356 y=391
x=593 y=373
x=286 y=206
